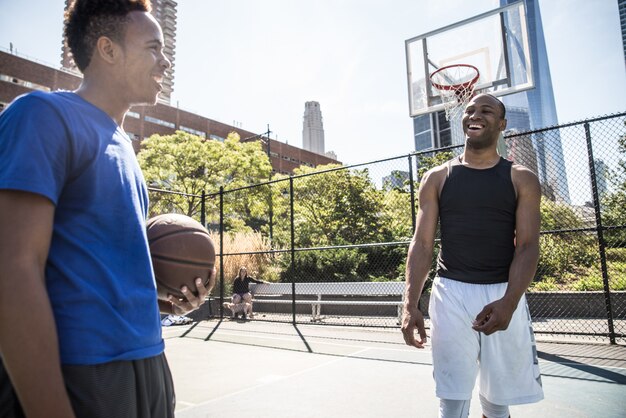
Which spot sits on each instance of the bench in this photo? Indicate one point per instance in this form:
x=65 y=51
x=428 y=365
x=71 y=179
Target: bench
x=317 y=293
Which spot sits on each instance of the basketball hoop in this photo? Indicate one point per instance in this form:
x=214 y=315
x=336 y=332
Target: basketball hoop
x=456 y=86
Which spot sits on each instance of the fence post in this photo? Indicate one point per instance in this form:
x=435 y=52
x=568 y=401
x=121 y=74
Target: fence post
x=600 y=232
x=412 y=190
x=203 y=209
x=221 y=252
x=271 y=215
x=293 y=252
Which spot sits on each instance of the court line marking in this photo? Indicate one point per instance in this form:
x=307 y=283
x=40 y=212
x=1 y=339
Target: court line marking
x=298 y=339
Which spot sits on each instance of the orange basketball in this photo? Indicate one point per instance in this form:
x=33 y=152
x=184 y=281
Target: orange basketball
x=181 y=251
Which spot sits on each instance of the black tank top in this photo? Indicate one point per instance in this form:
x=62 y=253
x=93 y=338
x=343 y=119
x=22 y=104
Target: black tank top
x=477 y=222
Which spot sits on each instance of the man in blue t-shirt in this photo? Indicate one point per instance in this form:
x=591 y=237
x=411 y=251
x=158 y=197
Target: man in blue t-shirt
x=80 y=331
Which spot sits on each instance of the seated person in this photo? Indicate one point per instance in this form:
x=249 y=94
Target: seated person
x=241 y=293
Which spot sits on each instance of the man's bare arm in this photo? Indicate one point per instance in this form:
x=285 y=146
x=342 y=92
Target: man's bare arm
x=28 y=338
x=420 y=257
x=497 y=315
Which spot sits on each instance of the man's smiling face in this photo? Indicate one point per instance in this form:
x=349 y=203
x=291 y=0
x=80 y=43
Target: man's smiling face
x=483 y=121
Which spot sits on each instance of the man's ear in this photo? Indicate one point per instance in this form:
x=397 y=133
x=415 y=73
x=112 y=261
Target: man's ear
x=107 y=50
x=503 y=123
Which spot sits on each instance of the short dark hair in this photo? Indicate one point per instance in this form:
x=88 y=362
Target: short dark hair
x=500 y=104
x=88 y=20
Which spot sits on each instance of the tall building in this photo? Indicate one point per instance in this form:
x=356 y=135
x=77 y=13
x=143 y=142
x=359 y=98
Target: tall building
x=313 y=128
x=621 y=4
x=517 y=118
x=397 y=179
x=603 y=173
x=542 y=108
x=529 y=110
x=520 y=150
x=67 y=61
x=164 y=11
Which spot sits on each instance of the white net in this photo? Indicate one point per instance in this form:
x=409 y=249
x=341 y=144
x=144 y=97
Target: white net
x=455 y=84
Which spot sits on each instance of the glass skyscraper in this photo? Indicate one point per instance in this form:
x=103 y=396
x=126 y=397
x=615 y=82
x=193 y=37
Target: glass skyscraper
x=541 y=109
x=621 y=5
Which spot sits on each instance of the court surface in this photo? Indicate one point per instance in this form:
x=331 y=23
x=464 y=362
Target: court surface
x=259 y=369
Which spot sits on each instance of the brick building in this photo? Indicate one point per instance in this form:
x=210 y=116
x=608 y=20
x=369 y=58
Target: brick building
x=19 y=75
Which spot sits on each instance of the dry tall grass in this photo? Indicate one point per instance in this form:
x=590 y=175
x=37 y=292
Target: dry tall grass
x=260 y=266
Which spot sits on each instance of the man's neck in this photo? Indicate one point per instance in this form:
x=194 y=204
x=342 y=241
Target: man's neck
x=98 y=93
x=480 y=159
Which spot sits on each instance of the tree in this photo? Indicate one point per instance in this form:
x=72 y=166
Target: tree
x=188 y=165
x=557 y=216
x=336 y=208
x=343 y=207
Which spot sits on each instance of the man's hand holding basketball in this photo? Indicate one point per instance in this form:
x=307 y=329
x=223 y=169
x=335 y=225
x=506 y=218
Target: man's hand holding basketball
x=192 y=302
x=413 y=318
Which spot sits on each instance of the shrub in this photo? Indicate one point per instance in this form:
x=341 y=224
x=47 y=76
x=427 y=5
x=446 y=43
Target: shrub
x=589 y=283
x=559 y=255
x=337 y=265
x=383 y=263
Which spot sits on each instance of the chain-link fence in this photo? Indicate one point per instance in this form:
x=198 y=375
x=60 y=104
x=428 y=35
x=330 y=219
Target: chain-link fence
x=348 y=227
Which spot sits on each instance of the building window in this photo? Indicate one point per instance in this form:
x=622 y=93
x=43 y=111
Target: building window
x=423 y=141
x=160 y=122
x=445 y=133
x=422 y=132
x=216 y=138
x=193 y=131
x=19 y=82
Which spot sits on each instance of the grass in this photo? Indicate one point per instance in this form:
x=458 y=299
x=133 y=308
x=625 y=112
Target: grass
x=259 y=266
x=588 y=278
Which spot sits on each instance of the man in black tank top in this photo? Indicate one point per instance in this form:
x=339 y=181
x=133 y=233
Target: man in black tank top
x=488 y=211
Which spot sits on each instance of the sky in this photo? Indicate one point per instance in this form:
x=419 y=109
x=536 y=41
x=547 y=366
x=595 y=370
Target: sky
x=254 y=63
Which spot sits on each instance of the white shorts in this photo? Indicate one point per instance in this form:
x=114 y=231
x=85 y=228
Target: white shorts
x=507 y=360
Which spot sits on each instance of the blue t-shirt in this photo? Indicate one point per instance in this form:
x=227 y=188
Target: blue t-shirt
x=98 y=274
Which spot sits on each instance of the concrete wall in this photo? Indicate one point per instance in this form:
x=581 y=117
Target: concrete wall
x=541 y=304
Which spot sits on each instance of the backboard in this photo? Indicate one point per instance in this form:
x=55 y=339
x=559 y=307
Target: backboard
x=495 y=42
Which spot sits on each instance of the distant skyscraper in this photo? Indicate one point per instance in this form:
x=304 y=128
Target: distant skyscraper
x=395 y=180
x=542 y=108
x=313 y=128
x=621 y=4
x=164 y=11
x=602 y=174
x=521 y=151
x=517 y=118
